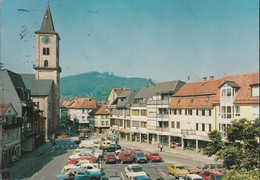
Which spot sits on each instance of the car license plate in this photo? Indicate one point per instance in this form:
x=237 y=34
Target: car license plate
x=111 y=160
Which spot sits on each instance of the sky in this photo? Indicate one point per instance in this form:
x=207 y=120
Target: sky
x=159 y=39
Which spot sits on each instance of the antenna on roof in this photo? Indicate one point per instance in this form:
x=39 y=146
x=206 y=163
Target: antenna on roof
x=188 y=78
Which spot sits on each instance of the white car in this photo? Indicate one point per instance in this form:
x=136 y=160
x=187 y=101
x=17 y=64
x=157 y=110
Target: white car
x=132 y=171
x=75 y=156
x=90 y=167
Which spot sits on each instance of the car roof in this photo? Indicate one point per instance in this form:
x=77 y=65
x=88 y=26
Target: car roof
x=134 y=165
x=178 y=164
x=193 y=175
x=215 y=172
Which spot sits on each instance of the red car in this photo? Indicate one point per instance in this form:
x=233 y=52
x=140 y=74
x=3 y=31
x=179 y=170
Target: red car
x=212 y=175
x=72 y=161
x=133 y=150
x=154 y=156
x=110 y=158
x=89 y=157
x=125 y=156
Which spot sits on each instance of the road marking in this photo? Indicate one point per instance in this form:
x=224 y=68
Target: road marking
x=122 y=176
x=163 y=173
x=58 y=146
x=71 y=145
x=61 y=146
x=51 y=151
x=42 y=177
x=67 y=146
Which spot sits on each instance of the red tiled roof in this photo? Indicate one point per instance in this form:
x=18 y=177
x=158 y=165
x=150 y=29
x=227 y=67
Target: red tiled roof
x=199 y=88
x=101 y=110
x=186 y=102
x=64 y=103
x=244 y=93
x=3 y=108
x=82 y=103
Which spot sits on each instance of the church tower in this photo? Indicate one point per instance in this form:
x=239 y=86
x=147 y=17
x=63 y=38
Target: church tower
x=47 y=65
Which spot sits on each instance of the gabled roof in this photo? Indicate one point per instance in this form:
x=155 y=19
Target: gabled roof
x=119 y=91
x=199 y=88
x=64 y=103
x=16 y=79
x=244 y=93
x=3 y=108
x=37 y=87
x=170 y=87
x=145 y=93
x=192 y=102
x=230 y=83
x=47 y=23
x=101 y=110
x=125 y=99
x=82 y=103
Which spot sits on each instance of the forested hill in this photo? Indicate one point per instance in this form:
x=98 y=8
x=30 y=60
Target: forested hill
x=97 y=85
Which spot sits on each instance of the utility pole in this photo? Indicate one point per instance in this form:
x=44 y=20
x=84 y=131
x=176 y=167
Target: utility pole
x=1 y=92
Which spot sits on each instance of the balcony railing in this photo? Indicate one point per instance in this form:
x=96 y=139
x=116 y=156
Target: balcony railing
x=188 y=132
x=163 y=116
x=158 y=102
x=162 y=129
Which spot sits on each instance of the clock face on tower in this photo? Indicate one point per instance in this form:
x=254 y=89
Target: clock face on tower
x=45 y=39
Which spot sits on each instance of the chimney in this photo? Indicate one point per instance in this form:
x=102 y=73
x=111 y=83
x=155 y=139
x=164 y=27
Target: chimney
x=211 y=77
x=204 y=78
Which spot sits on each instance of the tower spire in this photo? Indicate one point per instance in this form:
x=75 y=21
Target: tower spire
x=47 y=23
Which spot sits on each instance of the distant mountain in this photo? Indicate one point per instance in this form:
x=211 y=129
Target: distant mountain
x=97 y=85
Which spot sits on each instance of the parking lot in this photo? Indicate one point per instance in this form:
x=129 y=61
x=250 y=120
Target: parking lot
x=154 y=169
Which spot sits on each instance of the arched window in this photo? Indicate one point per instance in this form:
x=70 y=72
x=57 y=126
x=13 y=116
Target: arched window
x=44 y=51
x=48 y=51
x=46 y=63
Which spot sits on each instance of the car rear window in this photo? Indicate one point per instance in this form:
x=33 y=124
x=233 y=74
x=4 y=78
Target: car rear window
x=127 y=155
x=219 y=177
x=155 y=154
x=111 y=155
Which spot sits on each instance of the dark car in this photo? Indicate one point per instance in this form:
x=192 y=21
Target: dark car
x=112 y=148
x=139 y=157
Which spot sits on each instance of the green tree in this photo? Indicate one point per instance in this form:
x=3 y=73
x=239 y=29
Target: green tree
x=242 y=175
x=242 y=153
x=215 y=145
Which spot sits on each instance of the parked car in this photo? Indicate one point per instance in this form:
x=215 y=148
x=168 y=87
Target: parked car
x=133 y=150
x=191 y=177
x=78 y=173
x=89 y=156
x=167 y=178
x=114 y=178
x=111 y=148
x=139 y=157
x=142 y=178
x=206 y=166
x=110 y=158
x=132 y=171
x=105 y=144
x=178 y=170
x=125 y=157
x=212 y=175
x=153 y=156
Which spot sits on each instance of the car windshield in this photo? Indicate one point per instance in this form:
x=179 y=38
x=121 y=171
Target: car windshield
x=180 y=167
x=127 y=155
x=155 y=154
x=111 y=155
x=198 y=179
x=219 y=177
x=137 y=169
x=140 y=154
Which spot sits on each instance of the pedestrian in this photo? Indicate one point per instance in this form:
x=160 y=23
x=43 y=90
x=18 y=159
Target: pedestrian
x=161 y=148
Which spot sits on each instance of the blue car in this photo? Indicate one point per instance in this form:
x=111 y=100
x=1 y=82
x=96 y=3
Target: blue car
x=79 y=174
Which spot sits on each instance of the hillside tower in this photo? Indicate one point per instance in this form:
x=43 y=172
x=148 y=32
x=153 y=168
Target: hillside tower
x=47 y=65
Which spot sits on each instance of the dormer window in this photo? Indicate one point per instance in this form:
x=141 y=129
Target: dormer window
x=255 y=91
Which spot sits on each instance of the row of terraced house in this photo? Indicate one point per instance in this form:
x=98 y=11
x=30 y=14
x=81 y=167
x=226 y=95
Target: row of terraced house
x=179 y=113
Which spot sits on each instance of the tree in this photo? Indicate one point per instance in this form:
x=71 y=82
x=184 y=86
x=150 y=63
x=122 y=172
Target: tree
x=242 y=175
x=215 y=145
x=243 y=150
